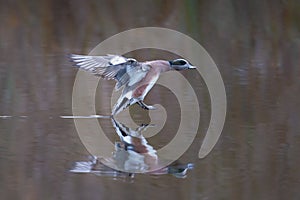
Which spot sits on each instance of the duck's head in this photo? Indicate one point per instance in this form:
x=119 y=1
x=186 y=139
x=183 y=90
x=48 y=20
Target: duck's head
x=181 y=64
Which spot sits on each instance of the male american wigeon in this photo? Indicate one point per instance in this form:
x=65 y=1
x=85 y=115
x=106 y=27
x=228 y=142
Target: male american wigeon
x=136 y=77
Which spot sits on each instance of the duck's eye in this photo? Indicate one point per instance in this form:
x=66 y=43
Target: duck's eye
x=182 y=62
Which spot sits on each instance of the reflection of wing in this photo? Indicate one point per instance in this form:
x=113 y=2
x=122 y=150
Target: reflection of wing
x=123 y=70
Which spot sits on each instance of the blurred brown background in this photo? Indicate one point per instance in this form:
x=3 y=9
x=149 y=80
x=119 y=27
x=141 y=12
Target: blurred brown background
x=256 y=46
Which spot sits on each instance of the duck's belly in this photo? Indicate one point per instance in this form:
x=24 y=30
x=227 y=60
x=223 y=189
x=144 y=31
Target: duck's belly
x=144 y=88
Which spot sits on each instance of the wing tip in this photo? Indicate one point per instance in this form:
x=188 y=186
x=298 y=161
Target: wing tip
x=77 y=56
x=72 y=58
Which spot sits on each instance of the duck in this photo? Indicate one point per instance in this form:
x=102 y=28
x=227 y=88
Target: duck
x=136 y=78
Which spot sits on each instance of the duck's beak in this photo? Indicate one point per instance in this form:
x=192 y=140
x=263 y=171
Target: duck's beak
x=192 y=67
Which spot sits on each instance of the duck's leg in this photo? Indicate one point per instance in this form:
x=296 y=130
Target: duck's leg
x=145 y=106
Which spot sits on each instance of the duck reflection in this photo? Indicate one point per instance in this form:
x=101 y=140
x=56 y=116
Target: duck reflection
x=132 y=155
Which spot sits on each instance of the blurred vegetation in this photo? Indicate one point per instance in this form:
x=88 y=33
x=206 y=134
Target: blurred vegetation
x=255 y=44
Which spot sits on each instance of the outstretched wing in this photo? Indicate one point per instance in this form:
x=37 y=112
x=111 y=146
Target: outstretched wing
x=123 y=70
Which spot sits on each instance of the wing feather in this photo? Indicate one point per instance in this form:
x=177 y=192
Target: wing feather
x=124 y=71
